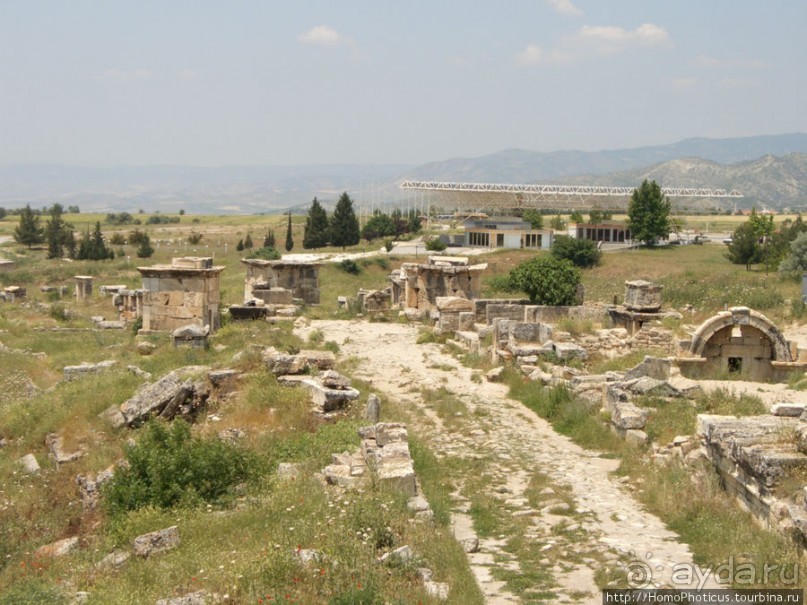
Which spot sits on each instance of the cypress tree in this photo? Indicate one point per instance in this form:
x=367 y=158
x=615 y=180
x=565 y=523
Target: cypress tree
x=316 y=227
x=289 y=240
x=56 y=230
x=344 y=224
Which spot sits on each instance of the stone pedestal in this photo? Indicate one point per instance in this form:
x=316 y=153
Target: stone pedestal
x=83 y=286
x=642 y=296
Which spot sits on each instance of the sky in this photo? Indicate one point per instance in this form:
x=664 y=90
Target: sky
x=215 y=83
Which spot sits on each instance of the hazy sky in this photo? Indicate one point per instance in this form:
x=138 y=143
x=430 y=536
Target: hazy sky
x=284 y=82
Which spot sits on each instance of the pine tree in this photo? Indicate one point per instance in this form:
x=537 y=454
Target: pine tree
x=56 y=230
x=344 y=224
x=29 y=231
x=269 y=240
x=289 y=240
x=248 y=242
x=70 y=244
x=240 y=246
x=145 y=250
x=93 y=247
x=315 y=234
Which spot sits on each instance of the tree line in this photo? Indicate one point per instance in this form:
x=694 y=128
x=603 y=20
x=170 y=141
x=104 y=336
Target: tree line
x=60 y=236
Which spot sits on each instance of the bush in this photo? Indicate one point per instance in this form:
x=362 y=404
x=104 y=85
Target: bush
x=195 y=237
x=349 y=266
x=435 y=244
x=547 y=280
x=581 y=252
x=159 y=219
x=265 y=254
x=169 y=467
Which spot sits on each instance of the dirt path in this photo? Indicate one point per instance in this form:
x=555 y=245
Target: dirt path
x=506 y=443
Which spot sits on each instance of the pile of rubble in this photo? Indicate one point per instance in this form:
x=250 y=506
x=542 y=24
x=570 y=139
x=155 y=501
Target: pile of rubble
x=313 y=370
x=181 y=393
x=385 y=452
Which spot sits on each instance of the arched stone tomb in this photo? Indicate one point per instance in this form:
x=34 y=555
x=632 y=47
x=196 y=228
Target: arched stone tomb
x=739 y=342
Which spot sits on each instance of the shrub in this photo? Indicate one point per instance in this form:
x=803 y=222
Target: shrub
x=169 y=467
x=265 y=254
x=581 y=252
x=349 y=266
x=501 y=283
x=547 y=280
x=435 y=244
x=195 y=237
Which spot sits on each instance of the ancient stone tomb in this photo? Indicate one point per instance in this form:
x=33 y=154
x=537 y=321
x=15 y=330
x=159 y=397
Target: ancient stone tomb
x=278 y=281
x=418 y=285
x=182 y=293
x=739 y=341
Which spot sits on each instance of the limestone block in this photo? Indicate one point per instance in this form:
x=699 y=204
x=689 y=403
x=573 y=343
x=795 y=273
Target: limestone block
x=647 y=385
x=643 y=296
x=29 y=464
x=282 y=364
x=334 y=380
x=636 y=437
x=529 y=332
x=448 y=322
x=788 y=409
x=373 y=411
x=275 y=296
x=59 y=548
x=569 y=350
x=150 y=399
x=626 y=416
x=321 y=360
x=399 y=474
x=329 y=399
x=114 y=560
x=653 y=367
x=156 y=542
x=801 y=438
x=454 y=304
x=466 y=320
x=390 y=432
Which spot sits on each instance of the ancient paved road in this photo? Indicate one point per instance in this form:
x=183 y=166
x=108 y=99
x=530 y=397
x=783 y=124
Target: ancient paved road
x=513 y=443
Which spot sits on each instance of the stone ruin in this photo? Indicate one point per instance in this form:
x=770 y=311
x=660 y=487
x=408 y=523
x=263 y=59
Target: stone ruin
x=276 y=288
x=761 y=462
x=416 y=286
x=6 y=265
x=182 y=293
x=375 y=301
x=313 y=370
x=301 y=278
x=642 y=305
x=12 y=293
x=740 y=342
x=384 y=451
x=83 y=286
x=180 y=393
x=129 y=304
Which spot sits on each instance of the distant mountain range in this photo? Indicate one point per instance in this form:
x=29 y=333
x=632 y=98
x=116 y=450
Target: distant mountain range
x=770 y=170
